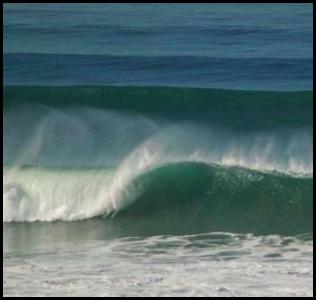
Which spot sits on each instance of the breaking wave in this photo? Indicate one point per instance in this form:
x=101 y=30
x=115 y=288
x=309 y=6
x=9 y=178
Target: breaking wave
x=240 y=166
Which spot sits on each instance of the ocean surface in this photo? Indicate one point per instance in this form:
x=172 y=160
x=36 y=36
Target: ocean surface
x=158 y=150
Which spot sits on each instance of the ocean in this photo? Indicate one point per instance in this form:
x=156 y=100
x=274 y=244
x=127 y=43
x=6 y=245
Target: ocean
x=158 y=150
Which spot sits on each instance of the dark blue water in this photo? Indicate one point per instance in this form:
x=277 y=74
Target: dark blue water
x=231 y=46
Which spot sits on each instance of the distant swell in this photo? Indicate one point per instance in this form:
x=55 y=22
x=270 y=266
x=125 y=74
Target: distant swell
x=244 y=110
x=264 y=73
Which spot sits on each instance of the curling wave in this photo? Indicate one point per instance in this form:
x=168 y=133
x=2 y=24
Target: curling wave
x=197 y=160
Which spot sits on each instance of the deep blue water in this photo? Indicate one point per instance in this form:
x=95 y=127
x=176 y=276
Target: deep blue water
x=231 y=46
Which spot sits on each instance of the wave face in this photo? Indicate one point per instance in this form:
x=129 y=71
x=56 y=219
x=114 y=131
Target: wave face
x=199 y=196
x=171 y=160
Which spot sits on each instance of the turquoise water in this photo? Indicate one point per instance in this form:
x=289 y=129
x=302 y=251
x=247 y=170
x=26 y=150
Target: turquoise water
x=154 y=150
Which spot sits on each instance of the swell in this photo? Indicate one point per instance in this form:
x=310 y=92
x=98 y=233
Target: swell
x=182 y=197
x=262 y=73
x=248 y=110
